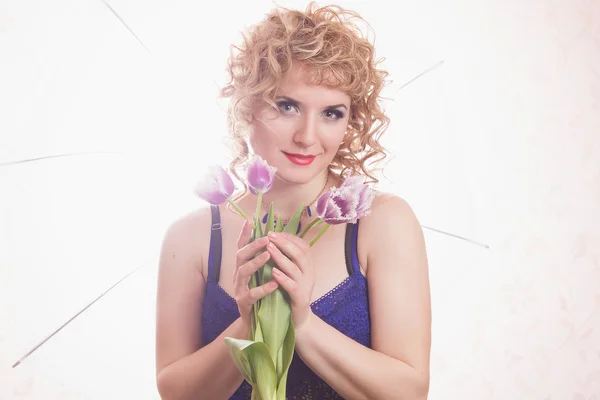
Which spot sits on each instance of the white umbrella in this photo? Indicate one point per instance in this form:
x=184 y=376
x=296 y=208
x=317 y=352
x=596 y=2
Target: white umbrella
x=93 y=219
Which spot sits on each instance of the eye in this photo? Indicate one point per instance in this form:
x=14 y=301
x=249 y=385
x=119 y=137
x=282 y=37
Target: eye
x=334 y=114
x=287 y=106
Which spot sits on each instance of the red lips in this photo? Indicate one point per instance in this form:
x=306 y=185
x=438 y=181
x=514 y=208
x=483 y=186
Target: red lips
x=300 y=159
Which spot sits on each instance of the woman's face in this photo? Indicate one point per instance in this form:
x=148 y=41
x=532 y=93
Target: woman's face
x=303 y=138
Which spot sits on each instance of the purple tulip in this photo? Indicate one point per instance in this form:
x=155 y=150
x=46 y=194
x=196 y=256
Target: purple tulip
x=216 y=187
x=352 y=200
x=260 y=175
x=337 y=206
x=363 y=191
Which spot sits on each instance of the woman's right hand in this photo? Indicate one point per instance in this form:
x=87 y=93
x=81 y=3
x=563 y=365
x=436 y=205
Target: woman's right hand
x=246 y=265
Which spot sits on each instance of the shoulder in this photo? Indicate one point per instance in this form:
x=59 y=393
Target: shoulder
x=390 y=212
x=187 y=237
x=391 y=226
x=389 y=205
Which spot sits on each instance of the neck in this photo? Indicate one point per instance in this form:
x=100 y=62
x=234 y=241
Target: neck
x=287 y=197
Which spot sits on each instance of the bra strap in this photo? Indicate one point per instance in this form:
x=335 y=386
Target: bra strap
x=351 y=248
x=216 y=246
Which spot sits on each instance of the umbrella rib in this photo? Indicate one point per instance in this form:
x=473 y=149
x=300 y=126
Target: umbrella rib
x=75 y=316
x=420 y=75
x=83 y=153
x=128 y=28
x=457 y=237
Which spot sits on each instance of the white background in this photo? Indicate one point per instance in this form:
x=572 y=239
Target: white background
x=498 y=142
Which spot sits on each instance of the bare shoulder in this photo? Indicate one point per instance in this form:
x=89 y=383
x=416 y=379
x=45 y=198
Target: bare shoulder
x=188 y=237
x=386 y=205
x=391 y=221
x=390 y=212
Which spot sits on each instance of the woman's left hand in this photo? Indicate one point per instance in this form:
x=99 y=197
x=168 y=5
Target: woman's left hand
x=296 y=272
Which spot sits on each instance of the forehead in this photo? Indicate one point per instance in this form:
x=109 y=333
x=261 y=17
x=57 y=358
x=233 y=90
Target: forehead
x=296 y=84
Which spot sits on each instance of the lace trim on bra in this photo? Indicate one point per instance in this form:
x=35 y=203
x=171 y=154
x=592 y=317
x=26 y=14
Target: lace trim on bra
x=314 y=303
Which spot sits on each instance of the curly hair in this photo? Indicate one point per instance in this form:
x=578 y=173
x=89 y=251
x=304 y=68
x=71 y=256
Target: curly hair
x=330 y=43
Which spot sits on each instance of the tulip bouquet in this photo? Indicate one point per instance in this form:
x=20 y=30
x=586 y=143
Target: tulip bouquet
x=265 y=357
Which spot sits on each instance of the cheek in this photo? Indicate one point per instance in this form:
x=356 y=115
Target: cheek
x=333 y=139
x=274 y=130
x=267 y=135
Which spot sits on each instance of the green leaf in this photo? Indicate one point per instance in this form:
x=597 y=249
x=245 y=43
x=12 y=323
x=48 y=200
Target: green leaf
x=292 y=226
x=255 y=363
x=286 y=355
x=279 y=226
x=236 y=351
x=252 y=328
x=270 y=220
x=255 y=395
x=255 y=333
x=273 y=315
x=258 y=335
x=253 y=281
x=258 y=228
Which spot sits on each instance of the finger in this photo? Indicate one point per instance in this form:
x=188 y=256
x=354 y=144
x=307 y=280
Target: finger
x=261 y=291
x=284 y=263
x=289 y=285
x=244 y=273
x=296 y=240
x=289 y=248
x=245 y=234
x=249 y=251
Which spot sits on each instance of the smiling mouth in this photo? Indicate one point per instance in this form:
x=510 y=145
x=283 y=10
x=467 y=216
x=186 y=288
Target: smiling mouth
x=300 y=159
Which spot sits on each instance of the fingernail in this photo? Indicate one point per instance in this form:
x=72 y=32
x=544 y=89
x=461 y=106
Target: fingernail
x=273 y=235
x=276 y=271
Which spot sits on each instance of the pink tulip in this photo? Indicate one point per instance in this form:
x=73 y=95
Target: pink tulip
x=216 y=187
x=260 y=175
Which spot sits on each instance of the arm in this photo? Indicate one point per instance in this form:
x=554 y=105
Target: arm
x=185 y=369
x=397 y=366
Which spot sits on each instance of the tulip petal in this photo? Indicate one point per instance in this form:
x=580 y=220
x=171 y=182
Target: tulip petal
x=352 y=200
x=224 y=181
x=216 y=186
x=260 y=175
x=322 y=203
x=367 y=194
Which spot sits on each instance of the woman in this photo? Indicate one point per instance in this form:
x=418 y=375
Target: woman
x=304 y=91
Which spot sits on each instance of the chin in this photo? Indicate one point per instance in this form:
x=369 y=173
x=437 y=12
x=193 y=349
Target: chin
x=295 y=177
x=298 y=175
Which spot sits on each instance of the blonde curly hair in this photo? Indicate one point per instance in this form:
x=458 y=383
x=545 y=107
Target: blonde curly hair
x=330 y=43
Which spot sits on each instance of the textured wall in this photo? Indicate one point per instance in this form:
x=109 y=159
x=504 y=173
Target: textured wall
x=498 y=142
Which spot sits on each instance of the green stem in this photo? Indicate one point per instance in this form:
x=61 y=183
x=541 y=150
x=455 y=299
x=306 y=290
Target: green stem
x=258 y=206
x=238 y=209
x=321 y=232
x=313 y=223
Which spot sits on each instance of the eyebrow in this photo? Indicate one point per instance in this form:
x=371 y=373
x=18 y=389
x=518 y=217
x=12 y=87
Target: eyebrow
x=297 y=102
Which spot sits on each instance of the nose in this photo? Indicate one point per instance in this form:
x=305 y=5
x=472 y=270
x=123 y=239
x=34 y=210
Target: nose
x=306 y=133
